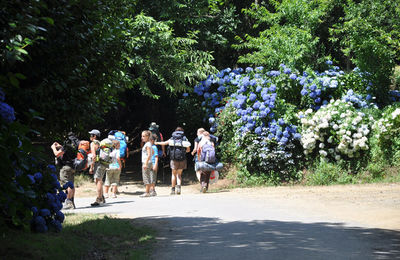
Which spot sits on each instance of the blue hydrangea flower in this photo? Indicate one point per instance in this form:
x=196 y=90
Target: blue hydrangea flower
x=258 y=89
x=211 y=120
x=35 y=211
x=44 y=212
x=252 y=96
x=31 y=178
x=293 y=76
x=259 y=68
x=51 y=167
x=287 y=71
x=258 y=130
x=272 y=88
x=329 y=62
x=221 y=89
x=304 y=92
x=7 y=112
x=248 y=69
x=38 y=176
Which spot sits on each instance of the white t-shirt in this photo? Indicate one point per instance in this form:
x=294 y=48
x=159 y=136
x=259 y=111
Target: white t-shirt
x=144 y=152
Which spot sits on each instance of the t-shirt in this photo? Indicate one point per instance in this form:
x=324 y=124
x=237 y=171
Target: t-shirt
x=144 y=152
x=155 y=153
x=114 y=159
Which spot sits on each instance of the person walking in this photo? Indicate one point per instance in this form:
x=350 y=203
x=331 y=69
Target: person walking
x=178 y=147
x=97 y=168
x=113 y=171
x=205 y=145
x=64 y=158
x=147 y=152
x=197 y=140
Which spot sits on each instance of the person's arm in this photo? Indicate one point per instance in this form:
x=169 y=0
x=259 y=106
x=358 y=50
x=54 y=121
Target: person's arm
x=195 y=148
x=57 y=153
x=93 y=152
x=162 y=143
x=198 y=153
x=119 y=162
x=155 y=166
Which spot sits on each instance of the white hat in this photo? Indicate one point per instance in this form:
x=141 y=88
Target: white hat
x=95 y=132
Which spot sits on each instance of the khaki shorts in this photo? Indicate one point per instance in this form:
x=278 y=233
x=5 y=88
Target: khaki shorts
x=99 y=171
x=66 y=174
x=178 y=165
x=112 y=177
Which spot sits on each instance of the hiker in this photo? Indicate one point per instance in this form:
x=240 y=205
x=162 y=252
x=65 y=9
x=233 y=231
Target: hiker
x=197 y=140
x=123 y=140
x=64 y=158
x=178 y=147
x=206 y=154
x=155 y=129
x=113 y=171
x=154 y=161
x=147 y=151
x=97 y=168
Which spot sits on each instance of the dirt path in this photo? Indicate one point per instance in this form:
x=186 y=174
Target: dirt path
x=335 y=222
x=371 y=205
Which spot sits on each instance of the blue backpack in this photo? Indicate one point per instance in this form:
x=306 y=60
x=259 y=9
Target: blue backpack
x=122 y=144
x=208 y=153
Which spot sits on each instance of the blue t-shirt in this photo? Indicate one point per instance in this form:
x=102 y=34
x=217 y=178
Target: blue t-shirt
x=155 y=153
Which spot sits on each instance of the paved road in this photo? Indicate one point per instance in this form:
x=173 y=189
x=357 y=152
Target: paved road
x=225 y=225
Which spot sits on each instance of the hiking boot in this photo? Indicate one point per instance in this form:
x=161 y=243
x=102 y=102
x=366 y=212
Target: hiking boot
x=68 y=204
x=97 y=202
x=172 y=191
x=178 y=190
x=103 y=200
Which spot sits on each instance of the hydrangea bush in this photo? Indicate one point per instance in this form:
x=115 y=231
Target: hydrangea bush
x=31 y=194
x=336 y=131
x=387 y=134
x=274 y=122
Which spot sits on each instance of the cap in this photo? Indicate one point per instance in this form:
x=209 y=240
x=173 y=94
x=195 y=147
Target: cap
x=153 y=126
x=95 y=132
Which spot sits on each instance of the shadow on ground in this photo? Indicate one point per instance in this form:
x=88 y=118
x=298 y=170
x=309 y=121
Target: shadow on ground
x=208 y=238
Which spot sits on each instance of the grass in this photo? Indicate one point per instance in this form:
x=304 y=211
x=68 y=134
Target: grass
x=84 y=236
x=323 y=174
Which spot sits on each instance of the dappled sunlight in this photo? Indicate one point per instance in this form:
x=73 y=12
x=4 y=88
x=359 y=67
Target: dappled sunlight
x=191 y=238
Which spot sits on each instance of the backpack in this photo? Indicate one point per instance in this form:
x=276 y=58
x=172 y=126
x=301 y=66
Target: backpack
x=208 y=153
x=177 y=152
x=70 y=146
x=105 y=151
x=81 y=161
x=122 y=143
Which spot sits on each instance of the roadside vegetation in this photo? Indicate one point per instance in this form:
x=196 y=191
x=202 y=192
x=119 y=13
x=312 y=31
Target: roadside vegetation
x=84 y=236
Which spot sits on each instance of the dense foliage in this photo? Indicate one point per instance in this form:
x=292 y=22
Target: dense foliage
x=70 y=65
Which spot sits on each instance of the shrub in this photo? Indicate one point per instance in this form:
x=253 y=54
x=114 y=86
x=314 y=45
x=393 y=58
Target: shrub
x=31 y=194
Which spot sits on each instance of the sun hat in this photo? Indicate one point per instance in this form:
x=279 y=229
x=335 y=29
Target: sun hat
x=95 y=132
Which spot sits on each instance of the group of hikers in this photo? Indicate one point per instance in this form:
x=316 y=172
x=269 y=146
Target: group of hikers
x=107 y=158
